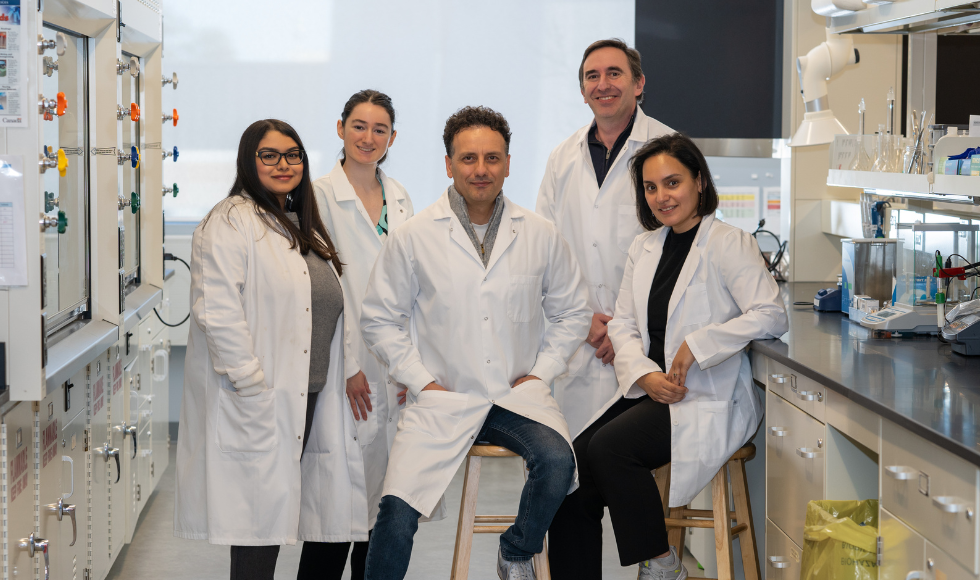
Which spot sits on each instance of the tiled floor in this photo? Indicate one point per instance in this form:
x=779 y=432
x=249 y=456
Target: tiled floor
x=156 y=554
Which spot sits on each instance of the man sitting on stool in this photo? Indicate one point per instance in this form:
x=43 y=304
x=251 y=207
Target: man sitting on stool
x=456 y=307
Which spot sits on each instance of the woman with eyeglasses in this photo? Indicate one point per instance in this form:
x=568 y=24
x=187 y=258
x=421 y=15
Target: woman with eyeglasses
x=265 y=429
x=360 y=205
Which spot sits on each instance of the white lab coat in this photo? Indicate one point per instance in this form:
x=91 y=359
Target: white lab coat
x=434 y=313
x=600 y=225
x=240 y=480
x=723 y=299
x=358 y=243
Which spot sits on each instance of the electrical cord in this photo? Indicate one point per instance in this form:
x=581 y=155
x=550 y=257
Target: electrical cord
x=174 y=258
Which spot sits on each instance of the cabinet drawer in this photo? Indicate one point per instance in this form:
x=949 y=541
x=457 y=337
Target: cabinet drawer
x=942 y=566
x=760 y=367
x=804 y=393
x=782 y=556
x=795 y=463
x=931 y=490
x=902 y=550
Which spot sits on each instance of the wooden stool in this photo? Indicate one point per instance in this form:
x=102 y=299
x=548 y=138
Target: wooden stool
x=470 y=523
x=720 y=517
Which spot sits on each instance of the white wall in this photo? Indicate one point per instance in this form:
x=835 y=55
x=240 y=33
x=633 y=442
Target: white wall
x=239 y=61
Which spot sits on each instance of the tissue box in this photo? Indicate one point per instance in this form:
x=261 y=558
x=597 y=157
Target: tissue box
x=975 y=165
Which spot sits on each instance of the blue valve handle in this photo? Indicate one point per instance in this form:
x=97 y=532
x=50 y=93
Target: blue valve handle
x=134 y=156
x=176 y=154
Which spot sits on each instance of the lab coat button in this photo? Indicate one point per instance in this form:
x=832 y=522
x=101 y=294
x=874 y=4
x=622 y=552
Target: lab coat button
x=304 y=352
x=302 y=394
x=355 y=438
x=594 y=245
x=675 y=422
x=486 y=318
x=596 y=206
x=488 y=361
x=300 y=437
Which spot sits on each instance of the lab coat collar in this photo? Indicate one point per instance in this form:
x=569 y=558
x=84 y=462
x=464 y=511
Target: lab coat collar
x=655 y=244
x=505 y=235
x=639 y=132
x=344 y=191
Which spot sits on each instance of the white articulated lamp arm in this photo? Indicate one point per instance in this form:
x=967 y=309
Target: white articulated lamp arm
x=824 y=61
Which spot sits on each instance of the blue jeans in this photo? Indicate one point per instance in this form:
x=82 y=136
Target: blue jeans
x=551 y=468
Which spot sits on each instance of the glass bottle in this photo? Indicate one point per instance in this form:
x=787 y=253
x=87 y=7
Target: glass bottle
x=861 y=162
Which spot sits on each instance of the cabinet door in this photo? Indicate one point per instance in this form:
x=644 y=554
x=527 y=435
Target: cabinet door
x=903 y=550
x=942 y=566
x=131 y=448
x=119 y=488
x=57 y=515
x=103 y=465
x=782 y=555
x=795 y=463
x=18 y=490
x=160 y=438
x=74 y=481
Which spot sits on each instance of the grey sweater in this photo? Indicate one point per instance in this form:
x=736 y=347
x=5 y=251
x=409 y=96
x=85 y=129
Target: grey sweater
x=328 y=305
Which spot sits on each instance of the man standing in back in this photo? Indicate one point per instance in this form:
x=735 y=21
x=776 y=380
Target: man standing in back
x=587 y=193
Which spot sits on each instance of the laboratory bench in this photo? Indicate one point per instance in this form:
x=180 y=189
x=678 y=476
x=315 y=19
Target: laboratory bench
x=853 y=417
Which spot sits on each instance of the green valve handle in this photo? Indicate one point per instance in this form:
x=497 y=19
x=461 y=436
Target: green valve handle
x=134 y=202
x=62 y=222
x=176 y=190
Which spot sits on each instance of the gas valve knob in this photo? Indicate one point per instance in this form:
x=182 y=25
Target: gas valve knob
x=174 y=190
x=133 y=157
x=60 y=44
x=50 y=201
x=62 y=163
x=171 y=81
x=133 y=66
x=62 y=104
x=175 y=154
x=46 y=106
x=173 y=118
x=52 y=159
x=134 y=202
x=60 y=222
x=133 y=113
x=50 y=65
x=122 y=202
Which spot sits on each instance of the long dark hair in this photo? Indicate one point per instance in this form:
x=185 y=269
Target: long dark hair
x=681 y=148
x=375 y=98
x=311 y=233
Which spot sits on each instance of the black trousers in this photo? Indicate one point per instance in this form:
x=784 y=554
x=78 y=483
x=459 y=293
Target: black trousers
x=319 y=560
x=615 y=455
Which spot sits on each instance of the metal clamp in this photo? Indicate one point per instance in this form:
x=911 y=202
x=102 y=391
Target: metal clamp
x=779 y=562
x=950 y=504
x=32 y=544
x=778 y=431
x=60 y=509
x=901 y=472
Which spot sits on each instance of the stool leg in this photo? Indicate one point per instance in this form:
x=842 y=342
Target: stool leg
x=467 y=517
x=675 y=536
x=743 y=515
x=723 y=524
x=542 y=570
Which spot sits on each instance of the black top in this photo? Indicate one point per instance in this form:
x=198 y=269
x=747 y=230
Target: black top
x=602 y=158
x=676 y=248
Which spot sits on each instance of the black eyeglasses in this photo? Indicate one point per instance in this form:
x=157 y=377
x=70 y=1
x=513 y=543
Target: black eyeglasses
x=270 y=157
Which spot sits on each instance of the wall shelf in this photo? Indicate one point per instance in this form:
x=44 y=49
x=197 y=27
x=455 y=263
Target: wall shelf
x=945 y=188
x=906 y=16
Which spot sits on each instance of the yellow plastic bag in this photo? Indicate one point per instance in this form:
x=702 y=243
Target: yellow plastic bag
x=841 y=540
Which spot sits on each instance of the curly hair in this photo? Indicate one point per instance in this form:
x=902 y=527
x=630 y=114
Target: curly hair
x=475 y=117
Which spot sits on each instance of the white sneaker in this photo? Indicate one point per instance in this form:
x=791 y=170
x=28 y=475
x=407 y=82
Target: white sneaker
x=507 y=570
x=666 y=568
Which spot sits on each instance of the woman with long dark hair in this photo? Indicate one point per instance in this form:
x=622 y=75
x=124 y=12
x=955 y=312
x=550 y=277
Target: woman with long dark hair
x=695 y=292
x=360 y=205
x=265 y=427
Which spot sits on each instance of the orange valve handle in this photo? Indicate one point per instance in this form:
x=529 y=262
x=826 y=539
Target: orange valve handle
x=176 y=117
x=62 y=162
x=62 y=104
x=134 y=112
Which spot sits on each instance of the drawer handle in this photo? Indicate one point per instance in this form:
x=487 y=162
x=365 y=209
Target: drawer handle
x=778 y=562
x=808 y=452
x=778 y=431
x=901 y=472
x=810 y=395
x=916 y=575
x=782 y=379
x=949 y=504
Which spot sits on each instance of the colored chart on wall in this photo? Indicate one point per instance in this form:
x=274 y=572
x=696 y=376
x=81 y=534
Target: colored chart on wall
x=740 y=206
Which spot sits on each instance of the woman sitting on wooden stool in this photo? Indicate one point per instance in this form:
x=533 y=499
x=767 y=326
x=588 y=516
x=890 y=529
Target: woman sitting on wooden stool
x=695 y=290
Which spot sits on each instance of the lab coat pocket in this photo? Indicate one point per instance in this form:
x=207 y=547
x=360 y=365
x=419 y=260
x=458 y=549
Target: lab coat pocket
x=368 y=430
x=714 y=418
x=523 y=297
x=436 y=414
x=697 y=309
x=246 y=424
x=627 y=227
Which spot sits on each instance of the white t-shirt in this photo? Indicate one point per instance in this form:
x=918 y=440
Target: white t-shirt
x=481 y=231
